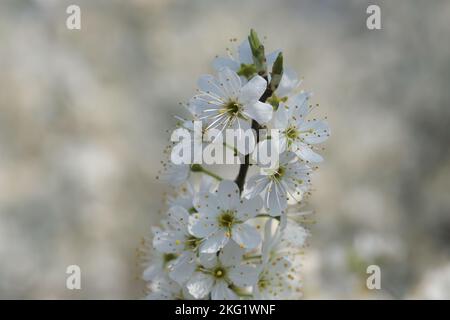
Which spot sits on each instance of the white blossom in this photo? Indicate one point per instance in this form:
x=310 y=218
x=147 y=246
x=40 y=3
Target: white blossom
x=298 y=134
x=220 y=275
x=226 y=103
x=279 y=272
x=289 y=178
x=222 y=215
x=177 y=240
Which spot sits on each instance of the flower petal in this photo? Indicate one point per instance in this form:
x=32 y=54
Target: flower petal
x=317 y=131
x=245 y=52
x=289 y=82
x=202 y=226
x=252 y=90
x=220 y=291
x=207 y=204
x=169 y=242
x=305 y=153
x=200 y=285
x=249 y=208
x=208 y=84
x=243 y=275
x=255 y=185
x=228 y=194
x=181 y=268
x=299 y=105
x=231 y=254
x=276 y=201
x=208 y=260
x=214 y=242
x=230 y=82
x=246 y=236
x=178 y=217
x=259 y=111
x=222 y=62
x=281 y=117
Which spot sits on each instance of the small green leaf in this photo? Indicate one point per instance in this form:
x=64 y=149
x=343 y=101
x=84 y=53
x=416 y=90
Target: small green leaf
x=247 y=70
x=259 y=57
x=277 y=72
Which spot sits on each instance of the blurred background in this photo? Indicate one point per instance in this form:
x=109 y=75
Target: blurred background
x=84 y=114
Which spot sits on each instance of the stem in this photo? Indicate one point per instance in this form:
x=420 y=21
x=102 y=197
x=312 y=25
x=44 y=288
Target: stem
x=212 y=174
x=243 y=169
x=230 y=147
x=255 y=257
x=199 y=168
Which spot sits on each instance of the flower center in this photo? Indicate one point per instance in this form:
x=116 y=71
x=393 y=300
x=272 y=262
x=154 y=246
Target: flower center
x=167 y=257
x=192 y=243
x=279 y=173
x=226 y=219
x=291 y=133
x=263 y=283
x=219 y=272
x=232 y=108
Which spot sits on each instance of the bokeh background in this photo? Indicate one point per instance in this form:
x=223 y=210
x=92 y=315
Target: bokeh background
x=84 y=114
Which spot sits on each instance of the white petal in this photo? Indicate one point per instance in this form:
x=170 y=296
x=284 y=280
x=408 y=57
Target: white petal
x=295 y=234
x=207 y=204
x=231 y=254
x=228 y=194
x=207 y=83
x=230 y=82
x=181 y=268
x=200 y=285
x=243 y=138
x=208 y=260
x=152 y=271
x=214 y=242
x=169 y=242
x=222 y=62
x=287 y=157
x=202 y=226
x=201 y=102
x=249 y=208
x=269 y=240
x=246 y=236
x=178 y=217
x=245 y=52
x=255 y=185
x=267 y=153
x=259 y=111
x=243 y=275
x=289 y=82
x=318 y=131
x=299 y=105
x=174 y=174
x=281 y=117
x=220 y=291
x=252 y=90
x=276 y=201
x=305 y=153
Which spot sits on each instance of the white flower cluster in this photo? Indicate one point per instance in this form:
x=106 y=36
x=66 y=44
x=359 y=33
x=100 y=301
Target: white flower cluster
x=239 y=239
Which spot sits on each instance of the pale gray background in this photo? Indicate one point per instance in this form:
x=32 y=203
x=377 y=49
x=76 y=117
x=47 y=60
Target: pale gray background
x=83 y=116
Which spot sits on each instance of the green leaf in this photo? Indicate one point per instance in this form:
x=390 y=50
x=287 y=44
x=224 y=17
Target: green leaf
x=277 y=72
x=247 y=70
x=259 y=57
